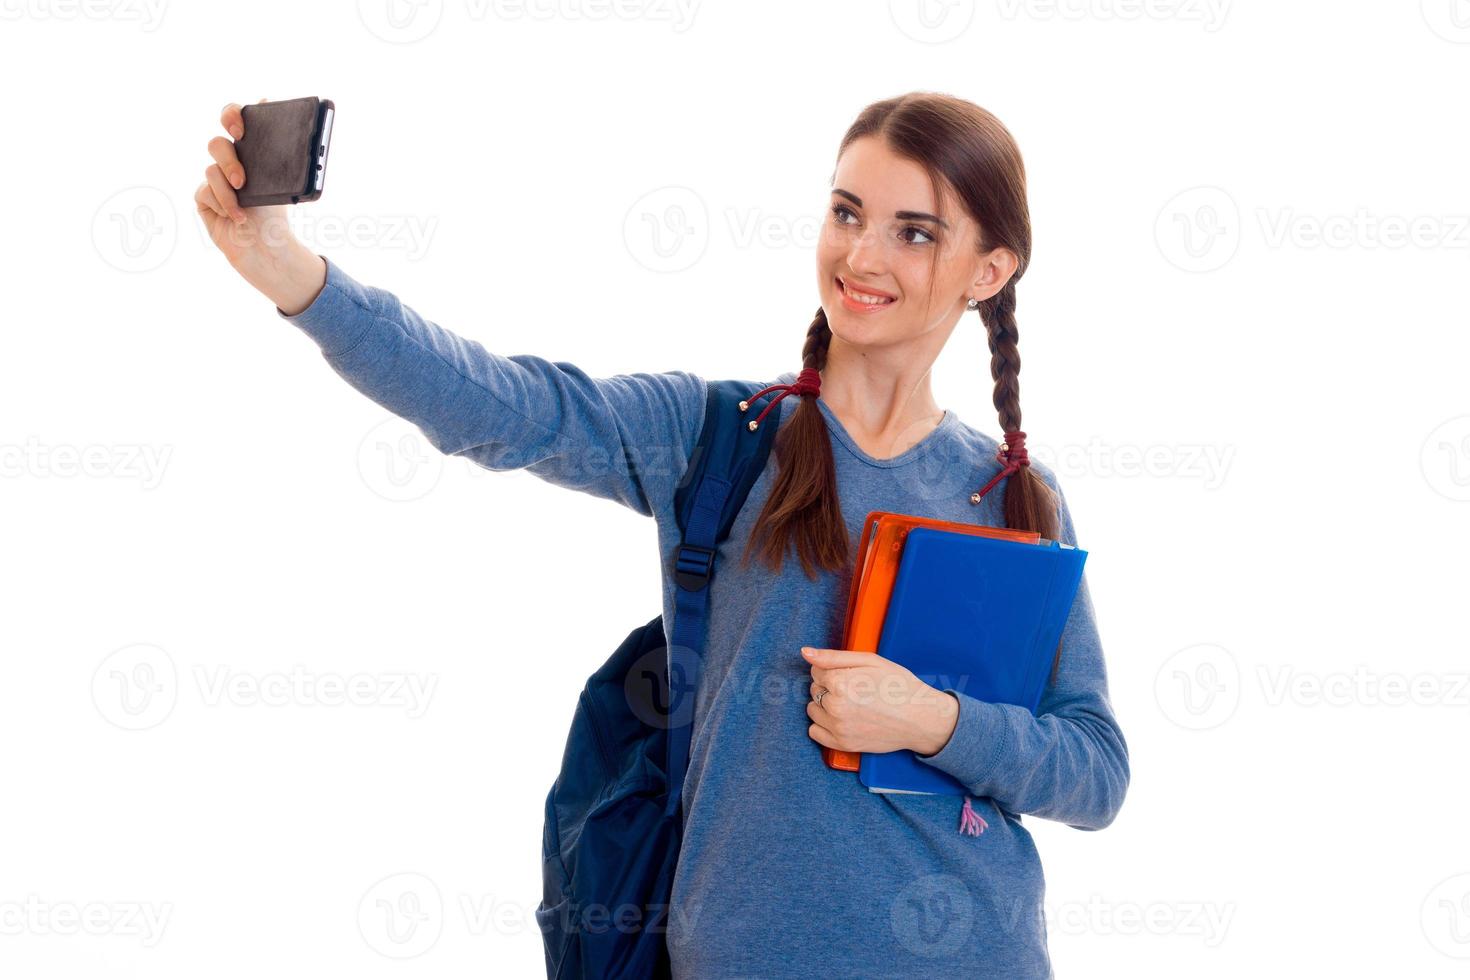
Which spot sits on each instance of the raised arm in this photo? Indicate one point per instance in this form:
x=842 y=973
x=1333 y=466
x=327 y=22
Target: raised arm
x=1068 y=762
x=627 y=437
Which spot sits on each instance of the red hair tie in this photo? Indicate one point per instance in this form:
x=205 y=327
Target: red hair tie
x=1012 y=453
x=808 y=382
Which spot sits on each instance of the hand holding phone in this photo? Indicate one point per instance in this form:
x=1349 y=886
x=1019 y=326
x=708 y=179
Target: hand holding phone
x=255 y=237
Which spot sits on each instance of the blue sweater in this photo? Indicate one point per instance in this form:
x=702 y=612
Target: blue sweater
x=788 y=868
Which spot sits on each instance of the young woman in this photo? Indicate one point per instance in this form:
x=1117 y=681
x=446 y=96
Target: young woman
x=789 y=868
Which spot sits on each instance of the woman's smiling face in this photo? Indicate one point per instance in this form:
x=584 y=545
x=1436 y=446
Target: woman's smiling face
x=885 y=241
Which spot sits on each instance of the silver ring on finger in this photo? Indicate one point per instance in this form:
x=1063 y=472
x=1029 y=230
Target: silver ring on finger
x=820 y=695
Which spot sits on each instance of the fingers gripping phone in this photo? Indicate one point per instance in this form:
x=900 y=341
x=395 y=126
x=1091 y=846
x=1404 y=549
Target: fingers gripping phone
x=284 y=151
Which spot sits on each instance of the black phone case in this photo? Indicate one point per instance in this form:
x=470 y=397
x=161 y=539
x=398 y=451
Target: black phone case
x=279 y=151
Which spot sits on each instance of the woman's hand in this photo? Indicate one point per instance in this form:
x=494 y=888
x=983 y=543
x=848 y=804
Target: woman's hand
x=257 y=242
x=875 y=705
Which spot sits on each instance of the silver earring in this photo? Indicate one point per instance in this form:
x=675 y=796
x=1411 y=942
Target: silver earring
x=973 y=304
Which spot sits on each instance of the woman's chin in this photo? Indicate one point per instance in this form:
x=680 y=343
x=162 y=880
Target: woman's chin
x=857 y=331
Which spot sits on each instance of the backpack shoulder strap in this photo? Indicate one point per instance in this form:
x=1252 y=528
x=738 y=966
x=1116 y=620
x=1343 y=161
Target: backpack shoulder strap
x=727 y=448
x=726 y=463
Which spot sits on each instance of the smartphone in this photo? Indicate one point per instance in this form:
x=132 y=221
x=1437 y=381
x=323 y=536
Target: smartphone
x=284 y=151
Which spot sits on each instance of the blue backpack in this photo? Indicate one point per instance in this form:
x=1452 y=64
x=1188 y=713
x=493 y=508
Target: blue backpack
x=614 y=822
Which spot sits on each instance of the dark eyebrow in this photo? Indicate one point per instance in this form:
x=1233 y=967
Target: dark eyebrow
x=901 y=215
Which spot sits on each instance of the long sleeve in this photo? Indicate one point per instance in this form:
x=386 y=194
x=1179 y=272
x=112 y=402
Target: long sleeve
x=626 y=438
x=1069 y=761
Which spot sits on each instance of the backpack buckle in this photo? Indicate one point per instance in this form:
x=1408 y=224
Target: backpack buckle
x=692 y=566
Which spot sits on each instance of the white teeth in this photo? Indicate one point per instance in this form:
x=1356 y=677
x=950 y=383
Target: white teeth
x=865 y=298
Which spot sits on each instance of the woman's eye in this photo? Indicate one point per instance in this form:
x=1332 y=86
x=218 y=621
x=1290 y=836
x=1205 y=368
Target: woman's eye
x=928 y=238
x=842 y=211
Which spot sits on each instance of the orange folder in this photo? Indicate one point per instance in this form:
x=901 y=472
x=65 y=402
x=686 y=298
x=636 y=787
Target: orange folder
x=879 y=551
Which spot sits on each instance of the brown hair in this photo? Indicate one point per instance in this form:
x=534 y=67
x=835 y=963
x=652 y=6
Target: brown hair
x=966 y=147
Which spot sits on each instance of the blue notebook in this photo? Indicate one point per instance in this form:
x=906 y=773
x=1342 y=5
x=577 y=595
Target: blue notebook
x=977 y=615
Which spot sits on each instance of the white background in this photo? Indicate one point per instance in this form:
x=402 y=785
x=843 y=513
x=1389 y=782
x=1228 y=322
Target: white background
x=1244 y=348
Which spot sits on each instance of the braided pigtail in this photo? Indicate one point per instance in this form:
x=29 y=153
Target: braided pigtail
x=802 y=507
x=1029 y=503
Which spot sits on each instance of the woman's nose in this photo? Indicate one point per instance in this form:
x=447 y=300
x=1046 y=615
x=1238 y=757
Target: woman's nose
x=866 y=255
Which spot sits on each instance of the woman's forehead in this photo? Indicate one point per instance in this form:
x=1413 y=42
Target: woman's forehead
x=871 y=170
x=886 y=182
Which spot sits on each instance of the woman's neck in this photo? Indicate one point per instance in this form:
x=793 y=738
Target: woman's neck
x=882 y=402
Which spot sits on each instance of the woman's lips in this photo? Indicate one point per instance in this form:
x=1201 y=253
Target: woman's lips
x=858 y=306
